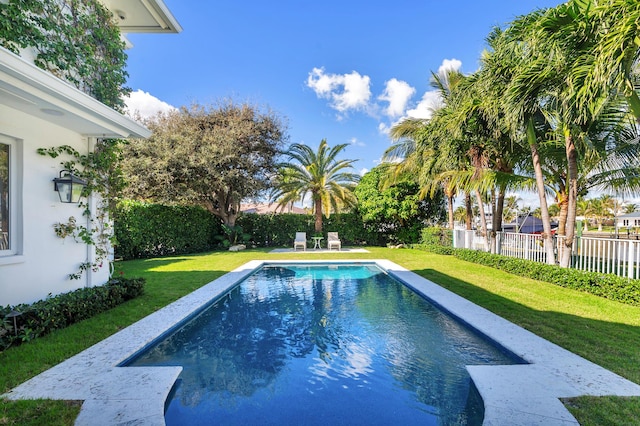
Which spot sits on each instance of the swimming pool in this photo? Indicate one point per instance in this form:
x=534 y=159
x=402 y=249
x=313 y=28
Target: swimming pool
x=323 y=344
x=514 y=395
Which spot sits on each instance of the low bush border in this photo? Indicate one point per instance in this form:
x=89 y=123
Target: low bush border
x=609 y=286
x=60 y=311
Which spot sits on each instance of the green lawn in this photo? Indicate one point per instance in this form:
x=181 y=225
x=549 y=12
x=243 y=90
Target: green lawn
x=605 y=332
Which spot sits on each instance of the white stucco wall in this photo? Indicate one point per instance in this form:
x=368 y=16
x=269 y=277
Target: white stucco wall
x=44 y=261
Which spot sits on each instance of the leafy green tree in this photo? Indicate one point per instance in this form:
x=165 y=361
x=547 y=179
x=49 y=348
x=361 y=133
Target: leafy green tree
x=397 y=209
x=318 y=173
x=212 y=156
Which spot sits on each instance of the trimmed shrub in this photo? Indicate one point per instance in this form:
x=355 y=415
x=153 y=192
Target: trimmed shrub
x=274 y=230
x=436 y=240
x=148 y=230
x=609 y=286
x=434 y=235
x=65 y=309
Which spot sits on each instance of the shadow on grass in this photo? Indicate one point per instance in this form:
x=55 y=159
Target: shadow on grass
x=608 y=344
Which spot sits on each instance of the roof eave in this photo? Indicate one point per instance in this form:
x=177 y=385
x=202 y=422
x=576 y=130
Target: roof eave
x=25 y=87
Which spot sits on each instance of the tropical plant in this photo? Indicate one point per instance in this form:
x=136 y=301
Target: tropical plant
x=397 y=208
x=319 y=174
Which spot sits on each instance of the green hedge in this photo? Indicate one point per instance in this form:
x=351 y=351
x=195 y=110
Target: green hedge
x=279 y=230
x=148 y=230
x=60 y=311
x=604 y=285
x=274 y=230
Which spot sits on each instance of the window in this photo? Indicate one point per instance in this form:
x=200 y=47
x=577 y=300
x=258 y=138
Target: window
x=10 y=200
x=5 y=216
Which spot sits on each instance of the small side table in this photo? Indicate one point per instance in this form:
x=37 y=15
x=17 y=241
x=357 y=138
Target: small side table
x=316 y=242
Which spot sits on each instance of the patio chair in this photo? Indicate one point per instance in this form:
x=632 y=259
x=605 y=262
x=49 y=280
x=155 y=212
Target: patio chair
x=333 y=241
x=300 y=241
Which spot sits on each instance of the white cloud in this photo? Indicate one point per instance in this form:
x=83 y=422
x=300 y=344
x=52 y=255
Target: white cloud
x=384 y=128
x=347 y=92
x=344 y=91
x=449 y=65
x=145 y=105
x=431 y=101
x=354 y=141
x=364 y=171
x=397 y=93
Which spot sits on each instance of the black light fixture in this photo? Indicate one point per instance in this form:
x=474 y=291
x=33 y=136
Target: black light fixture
x=69 y=187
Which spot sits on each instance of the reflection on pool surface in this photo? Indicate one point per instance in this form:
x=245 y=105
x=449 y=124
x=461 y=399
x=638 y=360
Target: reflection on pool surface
x=332 y=344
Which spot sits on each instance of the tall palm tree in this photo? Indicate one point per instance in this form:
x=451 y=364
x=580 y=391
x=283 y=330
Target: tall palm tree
x=415 y=151
x=613 y=24
x=585 y=208
x=511 y=208
x=586 y=53
x=318 y=173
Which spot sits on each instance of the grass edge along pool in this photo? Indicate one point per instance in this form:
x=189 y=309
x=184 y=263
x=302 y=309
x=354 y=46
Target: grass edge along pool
x=349 y=336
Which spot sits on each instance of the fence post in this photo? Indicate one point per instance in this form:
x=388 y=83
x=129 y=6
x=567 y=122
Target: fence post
x=631 y=256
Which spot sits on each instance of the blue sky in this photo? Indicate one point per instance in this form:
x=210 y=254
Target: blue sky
x=341 y=70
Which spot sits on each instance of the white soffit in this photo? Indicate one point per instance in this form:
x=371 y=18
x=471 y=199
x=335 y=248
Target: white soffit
x=143 y=16
x=27 y=88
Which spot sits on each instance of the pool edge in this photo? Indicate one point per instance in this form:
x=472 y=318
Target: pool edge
x=523 y=394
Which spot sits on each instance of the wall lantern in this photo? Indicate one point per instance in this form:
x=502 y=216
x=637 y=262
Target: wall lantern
x=69 y=187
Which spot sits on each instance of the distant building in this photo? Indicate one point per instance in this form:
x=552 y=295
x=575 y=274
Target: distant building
x=268 y=208
x=527 y=225
x=631 y=220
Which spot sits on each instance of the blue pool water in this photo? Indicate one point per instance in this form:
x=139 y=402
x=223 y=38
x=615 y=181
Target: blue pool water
x=323 y=345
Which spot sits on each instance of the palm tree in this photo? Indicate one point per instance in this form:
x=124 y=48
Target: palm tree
x=585 y=209
x=318 y=173
x=460 y=214
x=511 y=208
x=416 y=149
x=613 y=24
x=501 y=67
x=630 y=208
x=606 y=205
x=587 y=53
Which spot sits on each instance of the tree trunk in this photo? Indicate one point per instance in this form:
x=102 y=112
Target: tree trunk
x=469 y=209
x=483 y=220
x=563 y=204
x=450 y=210
x=544 y=209
x=572 y=164
x=497 y=218
x=318 y=214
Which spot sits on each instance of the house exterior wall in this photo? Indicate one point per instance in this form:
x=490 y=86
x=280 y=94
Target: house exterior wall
x=43 y=261
x=629 y=220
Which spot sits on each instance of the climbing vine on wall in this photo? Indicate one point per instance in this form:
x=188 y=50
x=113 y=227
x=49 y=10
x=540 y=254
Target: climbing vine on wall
x=75 y=40
x=105 y=182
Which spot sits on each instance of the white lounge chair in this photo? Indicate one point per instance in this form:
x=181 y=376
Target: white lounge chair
x=300 y=241
x=333 y=241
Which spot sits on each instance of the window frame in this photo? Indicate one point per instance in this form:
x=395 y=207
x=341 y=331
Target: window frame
x=15 y=200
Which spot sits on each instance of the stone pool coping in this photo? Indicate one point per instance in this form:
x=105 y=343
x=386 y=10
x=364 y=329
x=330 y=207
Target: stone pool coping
x=525 y=394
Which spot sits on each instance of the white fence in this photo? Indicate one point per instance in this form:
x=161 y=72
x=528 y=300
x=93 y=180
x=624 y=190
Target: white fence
x=604 y=255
